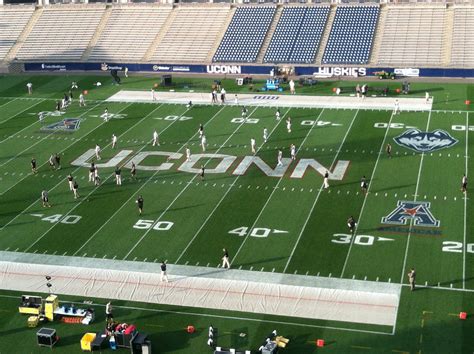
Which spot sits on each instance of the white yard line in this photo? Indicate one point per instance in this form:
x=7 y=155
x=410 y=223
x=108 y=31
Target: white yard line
x=67 y=147
x=4 y=104
x=141 y=187
x=59 y=183
x=186 y=187
x=224 y=196
x=381 y=151
x=464 y=248
x=274 y=190
x=105 y=180
x=414 y=199
x=317 y=197
x=9 y=137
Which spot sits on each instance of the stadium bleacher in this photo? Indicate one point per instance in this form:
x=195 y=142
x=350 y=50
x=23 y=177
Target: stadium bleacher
x=192 y=34
x=297 y=35
x=62 y=33
x=13 y=20
x=413 y=35
x=352 y=34
x=462 y=50
x=244 y=36
x=140 y=22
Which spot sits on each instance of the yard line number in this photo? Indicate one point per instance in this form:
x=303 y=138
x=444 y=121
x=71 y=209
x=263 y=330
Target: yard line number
x=457 y=247
x=255 y=231
x=245 y=120
x=153 y=224
x=60 y=218
x=361 y=240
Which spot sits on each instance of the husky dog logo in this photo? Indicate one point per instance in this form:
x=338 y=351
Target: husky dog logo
x=419 y=212
x=66 y=125
x=420 y=141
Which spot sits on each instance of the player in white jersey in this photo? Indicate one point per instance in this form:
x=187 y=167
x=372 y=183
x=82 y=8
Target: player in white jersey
x=265 y=134
x=236 y=99
x=29 y=86
x=41 y=117
x=464 y=184
x=188 y=154
x=96 y=176
x=70 y=180
x=106 y=115
x=280 y=156
x=97 y=152
x=427 y=97
x=114 y=141
x=244 y=113
x=252 y=146
x=203 y=143
x=277 y=114
x=118 y=176
x=82 y=102
x=396 y=108
x=293 y=152
x=288 y=124
x=153 y=96
x=326 y=180
x=155 y=139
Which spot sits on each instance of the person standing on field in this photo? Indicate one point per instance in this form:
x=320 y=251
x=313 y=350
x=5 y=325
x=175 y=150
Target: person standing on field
x=225 y=259
x=412 y=279
x=164 y=276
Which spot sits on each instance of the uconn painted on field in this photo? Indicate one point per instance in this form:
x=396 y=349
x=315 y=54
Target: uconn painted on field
x=224 y=165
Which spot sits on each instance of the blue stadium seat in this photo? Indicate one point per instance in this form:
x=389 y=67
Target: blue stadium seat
x=352 y=34
x=244 y=36
x=297 y=35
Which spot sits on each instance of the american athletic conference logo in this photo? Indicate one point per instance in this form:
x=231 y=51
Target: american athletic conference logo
x=419 y=212
x=419 y=141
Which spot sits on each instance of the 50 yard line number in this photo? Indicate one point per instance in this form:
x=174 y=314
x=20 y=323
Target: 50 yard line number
x=153 y=224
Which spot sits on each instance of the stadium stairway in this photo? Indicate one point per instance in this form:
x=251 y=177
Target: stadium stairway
x=221 y=35
x=326 y=33
x=448 y=34
x=98 y=33
x=24 y=35
x=159 y=37
x=269 y=35
x=378 y=34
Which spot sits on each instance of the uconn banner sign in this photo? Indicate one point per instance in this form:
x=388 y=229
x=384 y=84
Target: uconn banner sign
x=222 y=69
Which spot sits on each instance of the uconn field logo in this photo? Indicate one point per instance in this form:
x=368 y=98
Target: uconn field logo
x=419 y=141
x=419 y=212
x=224 y=69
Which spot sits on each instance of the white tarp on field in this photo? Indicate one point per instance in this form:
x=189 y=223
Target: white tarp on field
x=269 y=293
x=265 y=99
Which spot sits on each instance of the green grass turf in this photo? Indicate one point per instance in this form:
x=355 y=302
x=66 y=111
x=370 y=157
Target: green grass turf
x=427 y=323
x=203 y=212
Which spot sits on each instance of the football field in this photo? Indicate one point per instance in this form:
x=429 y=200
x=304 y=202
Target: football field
x=270 y=219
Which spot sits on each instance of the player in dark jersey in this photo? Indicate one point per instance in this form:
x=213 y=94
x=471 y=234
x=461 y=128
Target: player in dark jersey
x=464 y=184
x=139 y=202
x=351 y=223
x=92 y=172
x=57 y=161
x=363 y=185
x=133 y=172
x=33 y=165
x=202 y=172
x=75 y=189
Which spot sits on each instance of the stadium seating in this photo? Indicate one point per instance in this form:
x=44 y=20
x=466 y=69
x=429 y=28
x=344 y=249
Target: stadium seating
x=192 y=34
x=462 y=52
x=129 y=32
x=62 y=33
x=413 y=35
x=352 y=33
x=244 y=36
x=12 y=22
x=297 y=35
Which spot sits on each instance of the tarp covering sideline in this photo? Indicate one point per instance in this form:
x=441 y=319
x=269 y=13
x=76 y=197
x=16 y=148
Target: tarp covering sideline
x=265 y=99
x=208 y=287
